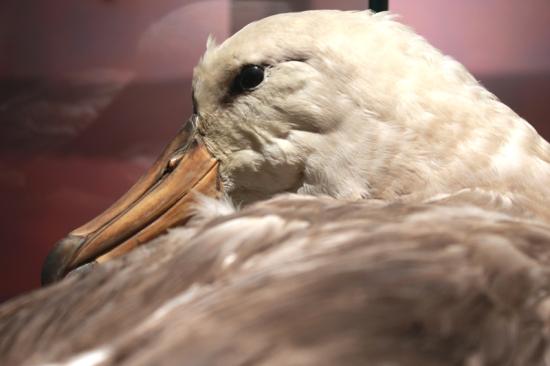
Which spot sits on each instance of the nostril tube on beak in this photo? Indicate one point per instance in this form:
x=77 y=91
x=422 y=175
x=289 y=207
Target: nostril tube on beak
x=173 y=162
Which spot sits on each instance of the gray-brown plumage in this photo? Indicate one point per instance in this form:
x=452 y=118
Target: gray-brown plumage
x=305 y=281
x=417 y=235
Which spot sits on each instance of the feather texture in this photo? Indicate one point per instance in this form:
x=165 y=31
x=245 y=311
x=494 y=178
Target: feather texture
x=306 y=281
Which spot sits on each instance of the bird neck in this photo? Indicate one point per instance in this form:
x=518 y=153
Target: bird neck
x=493 y=150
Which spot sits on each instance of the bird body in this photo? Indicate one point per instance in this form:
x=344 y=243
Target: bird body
x=304 y=281
x=393 y=214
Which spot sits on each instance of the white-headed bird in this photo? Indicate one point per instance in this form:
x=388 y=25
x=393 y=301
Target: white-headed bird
x=392 y=211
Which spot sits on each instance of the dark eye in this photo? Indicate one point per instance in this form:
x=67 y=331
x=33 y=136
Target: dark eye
x=250 y=77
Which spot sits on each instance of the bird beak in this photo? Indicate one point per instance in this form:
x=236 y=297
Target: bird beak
x=161 y=199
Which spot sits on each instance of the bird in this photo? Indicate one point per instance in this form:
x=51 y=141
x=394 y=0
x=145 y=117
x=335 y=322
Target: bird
x=343 y=193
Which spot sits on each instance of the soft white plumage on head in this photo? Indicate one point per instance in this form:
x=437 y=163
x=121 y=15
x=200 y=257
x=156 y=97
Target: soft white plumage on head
x=357 y=105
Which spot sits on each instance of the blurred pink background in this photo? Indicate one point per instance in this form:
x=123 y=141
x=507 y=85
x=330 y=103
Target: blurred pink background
x=91 y=90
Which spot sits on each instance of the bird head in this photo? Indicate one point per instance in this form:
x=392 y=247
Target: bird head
x=345 y=104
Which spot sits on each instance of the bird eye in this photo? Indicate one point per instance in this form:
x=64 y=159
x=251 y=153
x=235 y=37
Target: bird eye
x=250 y=77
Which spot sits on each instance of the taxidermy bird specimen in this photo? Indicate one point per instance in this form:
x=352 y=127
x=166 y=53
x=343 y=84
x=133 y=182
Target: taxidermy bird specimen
x=391 y=212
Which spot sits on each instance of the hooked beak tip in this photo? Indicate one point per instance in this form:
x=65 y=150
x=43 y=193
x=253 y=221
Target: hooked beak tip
x=58 y=260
